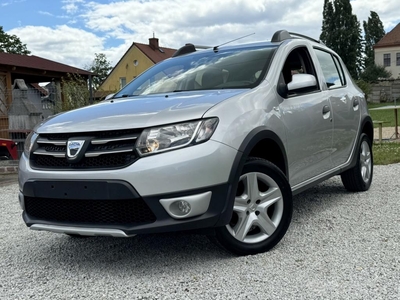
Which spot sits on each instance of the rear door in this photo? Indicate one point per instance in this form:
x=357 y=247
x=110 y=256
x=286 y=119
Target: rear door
x=345 y=107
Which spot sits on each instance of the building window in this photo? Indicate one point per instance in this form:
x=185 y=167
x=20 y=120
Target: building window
x=122 y=82
x=397 y=59
x=386 y=60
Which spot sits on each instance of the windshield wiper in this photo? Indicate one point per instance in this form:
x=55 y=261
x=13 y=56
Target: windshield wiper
x=123 y=96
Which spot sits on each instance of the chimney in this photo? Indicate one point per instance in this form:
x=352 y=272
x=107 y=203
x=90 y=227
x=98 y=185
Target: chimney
x=153 y=43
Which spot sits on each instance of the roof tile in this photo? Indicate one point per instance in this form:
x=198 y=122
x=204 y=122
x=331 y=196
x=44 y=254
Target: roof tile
x=391 y=39
x=36 y=62
x=155 y=55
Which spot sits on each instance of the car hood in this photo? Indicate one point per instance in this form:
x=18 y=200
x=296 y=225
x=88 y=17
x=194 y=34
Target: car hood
x=137 y=112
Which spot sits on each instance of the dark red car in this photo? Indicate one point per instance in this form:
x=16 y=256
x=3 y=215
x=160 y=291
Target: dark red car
x=8 y=149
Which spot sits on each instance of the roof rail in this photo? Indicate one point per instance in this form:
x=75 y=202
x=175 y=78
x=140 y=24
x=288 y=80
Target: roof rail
x=189 y=48
x=282 y=35
x=202 y=47
x=305 y=37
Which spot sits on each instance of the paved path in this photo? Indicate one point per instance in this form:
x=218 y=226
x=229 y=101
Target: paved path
x=8 y=178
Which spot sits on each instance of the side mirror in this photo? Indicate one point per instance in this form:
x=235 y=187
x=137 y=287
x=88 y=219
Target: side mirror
x=302 y=81
x=282 y=89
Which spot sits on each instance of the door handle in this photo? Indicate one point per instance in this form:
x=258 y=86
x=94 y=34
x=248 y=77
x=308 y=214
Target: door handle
x=326 y=109
x=355 y=102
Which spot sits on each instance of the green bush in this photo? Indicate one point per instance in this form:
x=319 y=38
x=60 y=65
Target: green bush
x=365 y=86
x=75 y=93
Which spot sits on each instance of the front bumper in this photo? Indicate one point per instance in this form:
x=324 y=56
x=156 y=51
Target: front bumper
x=97 y=217
x=200 y=173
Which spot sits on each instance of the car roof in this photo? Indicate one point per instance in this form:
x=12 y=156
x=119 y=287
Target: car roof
x=279 y=37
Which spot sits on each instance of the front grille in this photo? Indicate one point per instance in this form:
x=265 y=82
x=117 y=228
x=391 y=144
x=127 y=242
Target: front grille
x=106 y=150
x=95 y=212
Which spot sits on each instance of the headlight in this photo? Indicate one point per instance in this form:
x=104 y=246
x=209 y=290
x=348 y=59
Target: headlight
x=169 y=137
x=29 y=142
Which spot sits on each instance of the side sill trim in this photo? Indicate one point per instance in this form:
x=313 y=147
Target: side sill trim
x=80 y=230
x=298 y=188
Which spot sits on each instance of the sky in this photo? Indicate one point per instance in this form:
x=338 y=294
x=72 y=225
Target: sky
x=72 y=31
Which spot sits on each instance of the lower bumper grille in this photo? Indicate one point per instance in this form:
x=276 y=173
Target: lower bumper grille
x=96 y=212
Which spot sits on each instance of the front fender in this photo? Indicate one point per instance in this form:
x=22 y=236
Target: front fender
x=254 y=137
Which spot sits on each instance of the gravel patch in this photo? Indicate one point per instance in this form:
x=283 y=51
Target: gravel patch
x=388 y=134
x=340 y=245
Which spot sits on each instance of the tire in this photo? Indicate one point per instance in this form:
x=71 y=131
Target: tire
x=262 y=210
x=359 y=178
x=4 y=154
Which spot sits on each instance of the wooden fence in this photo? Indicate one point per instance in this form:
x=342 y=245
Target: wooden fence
x=385 y=91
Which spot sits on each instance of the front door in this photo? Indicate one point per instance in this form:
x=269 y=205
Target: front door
x=307 y=117
x=308 y=123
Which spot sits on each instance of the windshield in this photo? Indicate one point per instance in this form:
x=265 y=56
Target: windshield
x=204 y=70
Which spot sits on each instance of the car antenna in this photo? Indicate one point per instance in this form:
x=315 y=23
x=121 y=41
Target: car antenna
x=216 y=47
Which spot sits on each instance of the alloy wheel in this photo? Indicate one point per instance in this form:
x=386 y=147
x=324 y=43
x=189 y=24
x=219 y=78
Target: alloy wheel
x=365 y=161
x=257 y=210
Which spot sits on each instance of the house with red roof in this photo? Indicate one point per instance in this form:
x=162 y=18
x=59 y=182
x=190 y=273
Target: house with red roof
x=387 y=52
x=137 y=59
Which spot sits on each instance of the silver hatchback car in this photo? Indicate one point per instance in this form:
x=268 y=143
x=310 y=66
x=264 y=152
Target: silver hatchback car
x=216 y=140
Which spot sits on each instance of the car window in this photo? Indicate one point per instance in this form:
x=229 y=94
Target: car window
x=340 y=69
x=160 y=82
x=235 y=68
x=298 y=62
x=330 y=70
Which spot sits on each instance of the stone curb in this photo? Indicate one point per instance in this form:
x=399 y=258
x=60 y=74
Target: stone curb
x=8 y=169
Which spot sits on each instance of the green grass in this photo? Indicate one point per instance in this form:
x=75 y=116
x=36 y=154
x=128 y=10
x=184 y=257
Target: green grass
x=383 y=115
x=386 y=153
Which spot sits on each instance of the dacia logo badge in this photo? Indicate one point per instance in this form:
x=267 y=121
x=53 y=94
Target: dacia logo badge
x=74 y=147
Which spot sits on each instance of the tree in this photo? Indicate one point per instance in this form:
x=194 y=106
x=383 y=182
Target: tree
x=101 y=67
x=373 y=73
x=75 y=92
x=327 y=23
x=373 y=33
x=12 y=44
x=341 y=32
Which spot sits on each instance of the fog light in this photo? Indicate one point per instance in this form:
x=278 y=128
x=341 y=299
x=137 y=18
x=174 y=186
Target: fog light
x=187 y=206
x=180 y=208
x=184 y=206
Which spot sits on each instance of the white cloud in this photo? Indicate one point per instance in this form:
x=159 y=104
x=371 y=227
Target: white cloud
x=176 y=22
x=387 y=10
x=45 y=13
x=11 y=2
x=204 y=21
x=71 y=6
x=92 y=25
x=63 y=44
